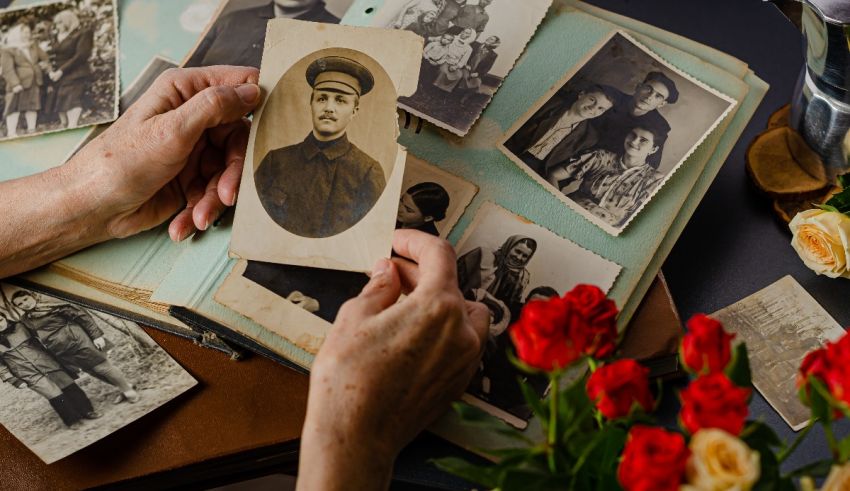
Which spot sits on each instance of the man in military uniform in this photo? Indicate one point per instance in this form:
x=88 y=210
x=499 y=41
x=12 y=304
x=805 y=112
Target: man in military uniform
x=237 y=37
x=639 y=109
x=325 y=184
x=70 y=334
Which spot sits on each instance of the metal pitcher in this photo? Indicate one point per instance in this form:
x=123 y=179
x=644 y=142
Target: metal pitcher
x=820 y=108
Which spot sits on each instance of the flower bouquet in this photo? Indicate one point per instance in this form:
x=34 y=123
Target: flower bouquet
x=598 y=429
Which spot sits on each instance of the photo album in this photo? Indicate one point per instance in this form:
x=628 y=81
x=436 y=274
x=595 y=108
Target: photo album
x=551 y=142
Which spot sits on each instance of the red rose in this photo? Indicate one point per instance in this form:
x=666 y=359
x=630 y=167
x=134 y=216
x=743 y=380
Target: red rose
x=713 y=401
x=815 y=364
x=540 y=334
x=706 y=348
x=596 y=336
x=654 y=459
x=837 y=372
x=617 y=387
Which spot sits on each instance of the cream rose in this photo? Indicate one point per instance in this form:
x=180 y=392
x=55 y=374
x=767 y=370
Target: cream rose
x=822 y=239
x=720 y=462
x=838 y=479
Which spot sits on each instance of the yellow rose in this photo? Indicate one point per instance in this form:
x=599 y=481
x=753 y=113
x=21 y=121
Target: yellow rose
x=822 y=239
x=838 y=479
x=720 y=462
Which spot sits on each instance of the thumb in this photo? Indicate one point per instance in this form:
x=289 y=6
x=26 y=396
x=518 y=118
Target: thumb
x=211 y=107
x=382 y=291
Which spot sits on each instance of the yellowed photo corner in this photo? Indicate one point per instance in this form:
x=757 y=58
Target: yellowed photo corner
x=342 y=229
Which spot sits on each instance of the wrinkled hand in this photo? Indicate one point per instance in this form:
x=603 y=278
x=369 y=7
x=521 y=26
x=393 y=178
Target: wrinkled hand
x=179 y=148
x=386 y=369
x=99 y=343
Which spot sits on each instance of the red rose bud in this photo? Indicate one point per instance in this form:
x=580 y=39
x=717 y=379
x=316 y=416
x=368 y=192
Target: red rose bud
x=654 y=459
x=617 y=387
x=594 y=331
x=713 y=401
x=706 y=348
x=540 y=335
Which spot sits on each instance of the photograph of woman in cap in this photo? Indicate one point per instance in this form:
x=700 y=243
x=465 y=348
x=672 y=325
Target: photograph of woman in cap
x=325 y=184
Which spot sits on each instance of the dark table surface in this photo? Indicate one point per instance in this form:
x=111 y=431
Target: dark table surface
x=733 y=246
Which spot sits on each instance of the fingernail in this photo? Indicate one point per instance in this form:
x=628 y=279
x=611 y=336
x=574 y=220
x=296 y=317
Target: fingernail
x=249 y=93
x=206 y=225
x=382 y=267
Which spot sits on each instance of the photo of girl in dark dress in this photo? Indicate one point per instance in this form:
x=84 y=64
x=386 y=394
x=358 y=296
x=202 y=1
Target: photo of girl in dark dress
x=71 y=58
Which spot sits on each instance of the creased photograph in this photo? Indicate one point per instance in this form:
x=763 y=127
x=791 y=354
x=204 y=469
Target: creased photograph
x=470 y=47
x=59 y=66
x=608 y=136
x=71 y=376
x=323 y=171
x=505 y=261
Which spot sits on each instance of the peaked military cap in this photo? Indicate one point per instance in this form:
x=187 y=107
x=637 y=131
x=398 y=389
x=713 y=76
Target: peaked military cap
x=340 y=74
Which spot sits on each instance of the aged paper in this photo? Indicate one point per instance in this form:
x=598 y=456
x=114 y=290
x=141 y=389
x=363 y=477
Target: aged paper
x=780 y=324
x=323 y=171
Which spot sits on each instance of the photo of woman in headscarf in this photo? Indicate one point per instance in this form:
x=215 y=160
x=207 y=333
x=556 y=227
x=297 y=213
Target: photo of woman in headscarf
x=25 y=364
x=561 y=129
x=71 y=55
x=502 y=273
x=456 y=58
x=22 y=63
x=421 y=206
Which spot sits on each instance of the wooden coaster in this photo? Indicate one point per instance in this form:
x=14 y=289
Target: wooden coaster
x=781 y=165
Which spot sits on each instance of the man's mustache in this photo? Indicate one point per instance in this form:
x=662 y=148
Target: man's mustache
x=327 y=116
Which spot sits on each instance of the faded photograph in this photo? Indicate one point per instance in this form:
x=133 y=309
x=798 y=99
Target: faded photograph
x=58 y=63
x=432 y=200
x=504 y=261
x=138 y=87
x=780 y=324
x=72 y=376
x=237 y=33
x=470 y=47
x=608 y=135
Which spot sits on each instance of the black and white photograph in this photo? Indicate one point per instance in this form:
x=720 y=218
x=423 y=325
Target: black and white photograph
x=59 y=66
x=780 y=324
x=71 y=376
x=608 y=136
x=505 y=261
x=470 y=47
x=138 y=87
x=323 y=168
x=236 y=34
x=432 y=199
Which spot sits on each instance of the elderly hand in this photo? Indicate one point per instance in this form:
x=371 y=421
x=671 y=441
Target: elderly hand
x=177 y=152
x=387 y=370
x=181 y=145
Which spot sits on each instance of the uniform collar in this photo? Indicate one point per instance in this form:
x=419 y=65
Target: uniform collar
x=333 y=151
x=269 y=13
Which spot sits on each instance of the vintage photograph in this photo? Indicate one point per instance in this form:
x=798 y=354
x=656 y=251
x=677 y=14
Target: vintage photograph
x=432 y=199
x=71 y=376
x=323 y=168
x=470 y=47
x=505 y=261
x=236 y=34
x=780 y=324
x=138 y=87
x=608 y=136
x=59 y=66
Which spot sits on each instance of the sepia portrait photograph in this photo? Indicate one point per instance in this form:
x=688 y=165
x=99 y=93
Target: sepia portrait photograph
x=59 y=66
x=323 y=168
x=470 y=47
x=505 y=261
x=780 y=324
x=70 y=376
x=138 y=87
x=432 y=199
x=237 y=32
x=608 y=136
